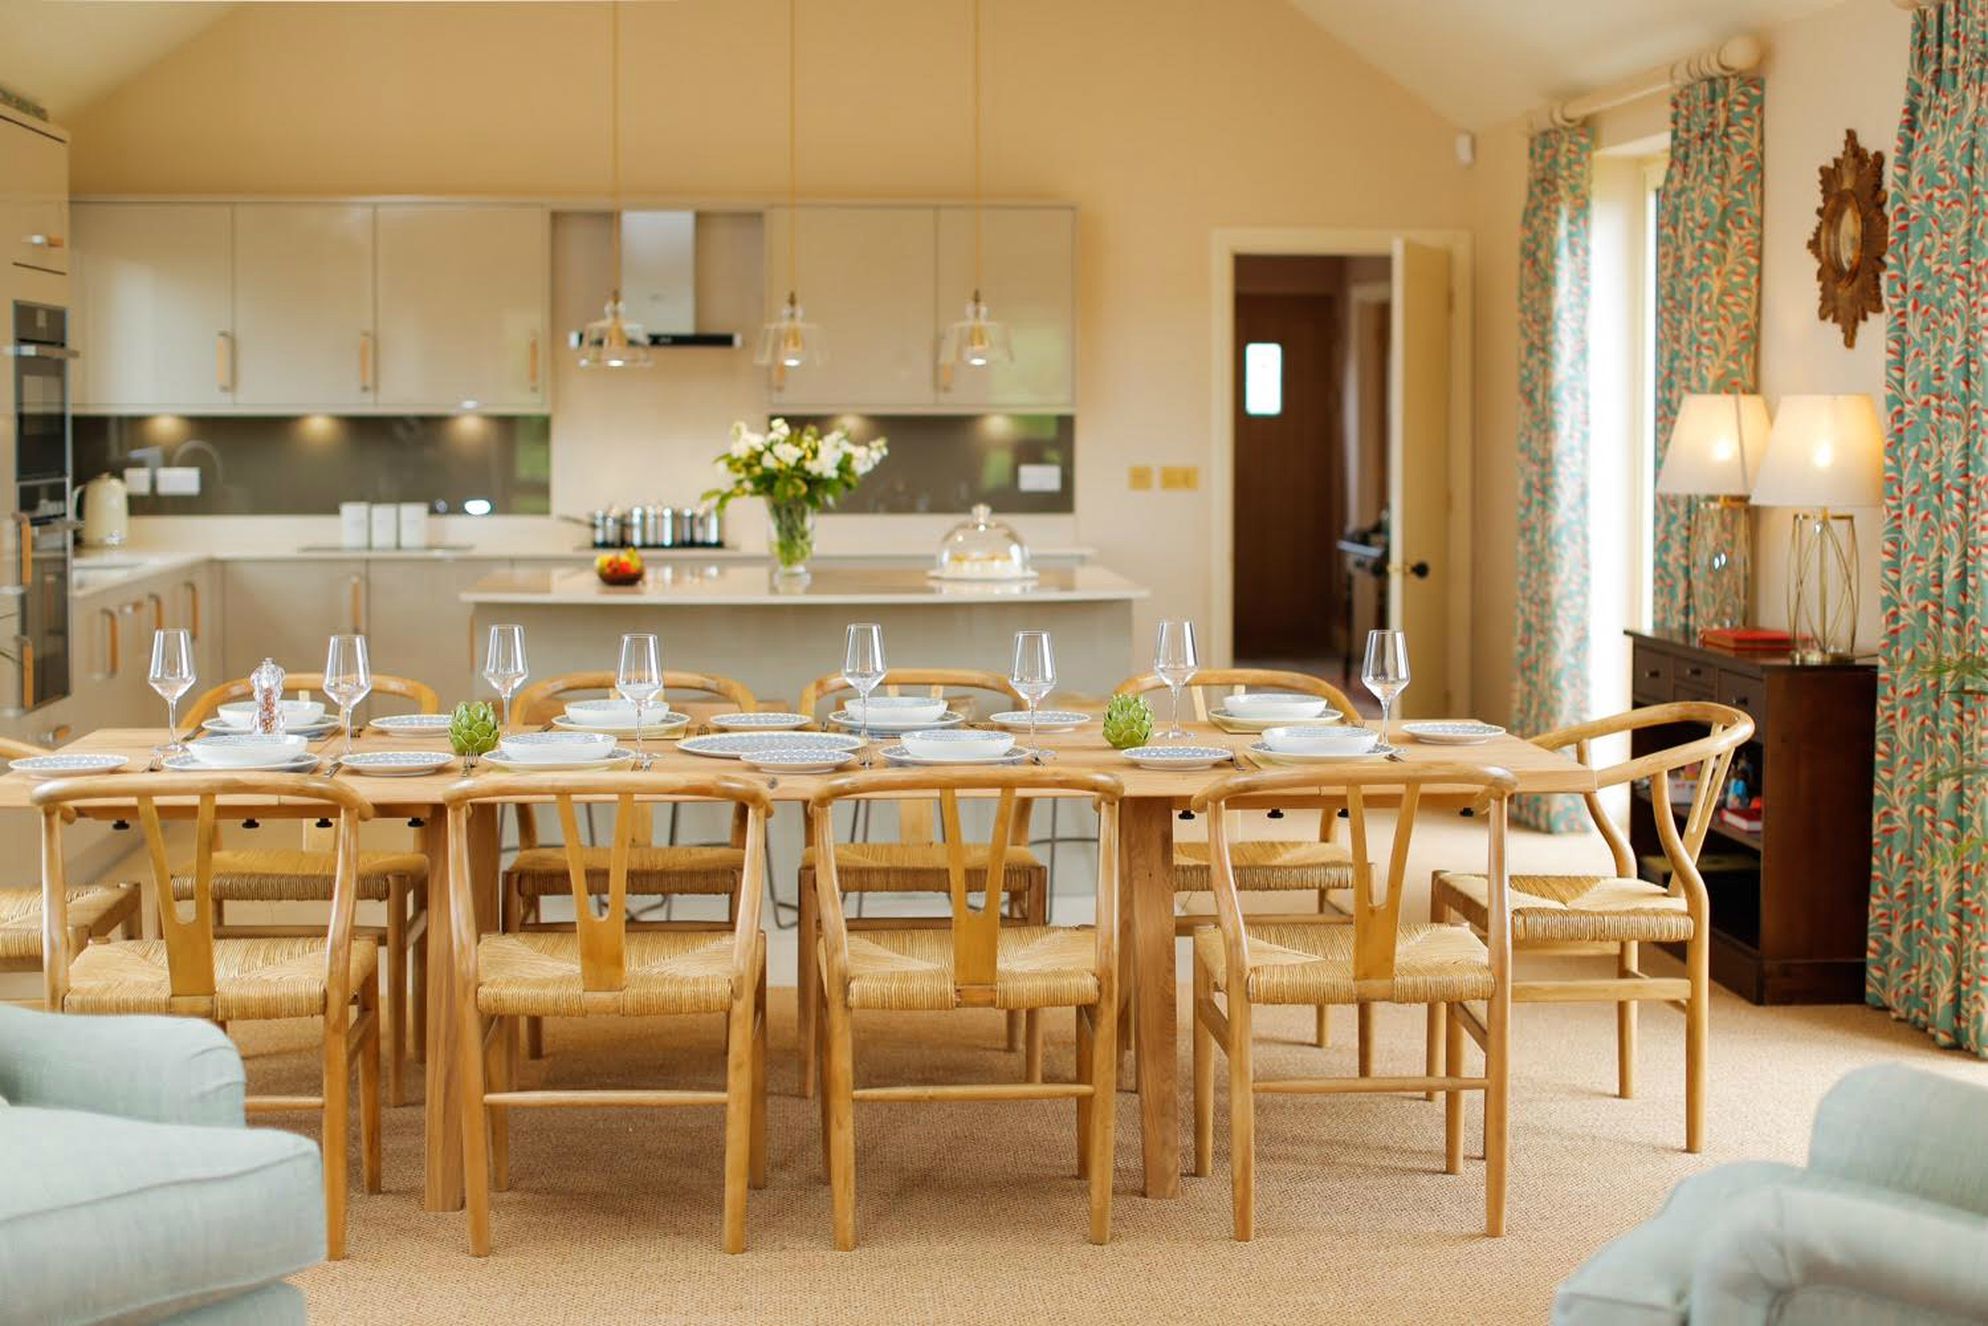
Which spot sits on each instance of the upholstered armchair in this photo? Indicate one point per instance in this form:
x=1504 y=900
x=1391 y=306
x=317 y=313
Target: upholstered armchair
x=1886 y=1225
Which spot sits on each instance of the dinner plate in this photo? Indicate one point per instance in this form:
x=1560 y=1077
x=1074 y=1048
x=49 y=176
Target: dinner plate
x=1178 y=757
x=732 y=745
x=323 y=727
x=1046 y=720
x=68 y=766
x=1261 y=750
x=396 y=763
x=1236 y=723
x=412 y=725
x=892 y=726
x=767 y=721
x=655 y=727
x=1452 y=731
x=899 y=755
x=188 y=762
x=791 y=761
x=617 y=758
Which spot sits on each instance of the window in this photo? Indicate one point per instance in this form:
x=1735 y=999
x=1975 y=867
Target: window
x=1263 y=378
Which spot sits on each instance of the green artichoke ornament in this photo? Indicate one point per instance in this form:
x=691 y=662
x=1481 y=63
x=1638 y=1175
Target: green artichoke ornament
x=1128 y=722
x=473 y=730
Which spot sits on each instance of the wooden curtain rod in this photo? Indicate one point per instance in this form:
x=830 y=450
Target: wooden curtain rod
x=1733 y=56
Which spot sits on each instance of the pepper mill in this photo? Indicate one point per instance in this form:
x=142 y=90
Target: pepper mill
x=267 y=682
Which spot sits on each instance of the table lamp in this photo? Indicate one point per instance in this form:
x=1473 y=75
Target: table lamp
x=1826 y=453
x=1716 y=444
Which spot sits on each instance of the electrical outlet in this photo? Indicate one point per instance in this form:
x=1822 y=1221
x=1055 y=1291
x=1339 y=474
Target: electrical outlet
x=138 y=481
x=1139 y=478
x=1038 y=478
x=1180 y=478
x=178 y=481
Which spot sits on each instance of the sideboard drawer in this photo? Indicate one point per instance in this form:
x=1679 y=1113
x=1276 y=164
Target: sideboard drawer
x=1692 y=680
x=1748 y=694
x=1649 y=675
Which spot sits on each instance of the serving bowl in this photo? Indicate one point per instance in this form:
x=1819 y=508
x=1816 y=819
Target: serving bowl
x=243 y=750
x=296 y=713
x=558 y=747
x=610 y=712
x=1332 y=740
x=897 y=708
x=956 y=743
x=1270 y=705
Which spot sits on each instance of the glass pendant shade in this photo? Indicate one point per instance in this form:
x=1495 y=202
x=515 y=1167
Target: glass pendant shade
x=975 y=341
x=612 y=343
x=789 y=341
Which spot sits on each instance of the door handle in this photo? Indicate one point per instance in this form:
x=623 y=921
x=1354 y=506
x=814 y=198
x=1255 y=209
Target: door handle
x=26 y=531
x=365 y=361
x=158 y=611
x=356 y=586
x=224 y=361
x=27 y=648
x=44 y=241
x=110 y=644
x=192 y=609
x=1420 y=570
x=531 y=362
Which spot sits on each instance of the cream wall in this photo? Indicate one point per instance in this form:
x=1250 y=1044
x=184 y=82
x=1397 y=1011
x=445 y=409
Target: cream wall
x=1843 y=68
x=1160 y=121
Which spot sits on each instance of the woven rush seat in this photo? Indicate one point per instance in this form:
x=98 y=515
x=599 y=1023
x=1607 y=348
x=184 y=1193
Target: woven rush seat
x=295 y=875
x=1297 y=963
x=90 y=910
x=1264 y=866
x=253 y=978
x=540 y=872
x=668 y=971
x=1040 y=966
x=1578 y=908
x=921 y=867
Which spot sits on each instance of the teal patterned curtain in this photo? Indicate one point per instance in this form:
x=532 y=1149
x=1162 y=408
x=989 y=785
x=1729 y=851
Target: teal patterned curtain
x=1708 y=289
x=1551 y=673
x=1927 y=962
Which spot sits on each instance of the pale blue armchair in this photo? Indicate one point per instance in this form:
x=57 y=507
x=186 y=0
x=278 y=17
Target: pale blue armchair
x=130 y=1189
x=1887 y=1224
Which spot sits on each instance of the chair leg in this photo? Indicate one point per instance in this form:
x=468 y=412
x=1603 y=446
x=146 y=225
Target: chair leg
x=1104 y=1123
x=807 y=985
x=1697 y=1033
x=1453 y=1098
x=396 y=978
x=1086 y=1051
x=738 y=1121
x=1432 y=1056
x=1364 y=1012
x=475 y=1130
x=1204 y=1076
x=417 y=1031
x=369 y=1089
x=1242 y=1118
x=503 y=1055
x=534 y=1027
x=756 y=1176
x=838 y=1082
x=337 y=1094
x=1497 y=1124
x=1625 y=1028
x=1017 y=1021
x=1032 y=1036
x=1322 y=1034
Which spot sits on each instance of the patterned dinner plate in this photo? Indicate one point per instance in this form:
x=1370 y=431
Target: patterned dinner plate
x=617 y=758
x=1452 y=732
x=412 y=725
x=732 y=745
x=899 y=755
x=1046 y=720
x=1236 y=723
x=188 y=762
x=1179 y=757
x=655 y=727
x=763 y=721
x=322 y=727
x=68 y=766
x=843 y=718
x=1261 y=750
x=802 y=761
x=396 y=763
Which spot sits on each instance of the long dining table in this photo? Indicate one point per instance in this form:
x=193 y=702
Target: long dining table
x=1152 y=802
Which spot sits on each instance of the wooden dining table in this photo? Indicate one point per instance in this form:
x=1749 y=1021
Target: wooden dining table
x=1153 y=800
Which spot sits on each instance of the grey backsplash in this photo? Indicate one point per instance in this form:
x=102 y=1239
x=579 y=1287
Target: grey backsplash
x=308 y=464
x=948 y=462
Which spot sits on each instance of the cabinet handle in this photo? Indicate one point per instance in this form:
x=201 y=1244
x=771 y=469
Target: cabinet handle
x=356 y=585
x=27 y=648
x=158 y=611
x=26 y=532
x=44 y=241
x=531 y=362
x=110 y=644
x=192 y=609
x=365 y=361
x=224 y=361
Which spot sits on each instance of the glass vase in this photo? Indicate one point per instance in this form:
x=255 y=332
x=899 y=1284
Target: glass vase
x=791 y=537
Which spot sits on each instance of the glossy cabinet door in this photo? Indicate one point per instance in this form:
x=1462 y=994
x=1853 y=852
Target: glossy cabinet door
x=462 y=305
x=288 y=610
x=866 y=276
x=418 y=625
x=154 y=315
x=303 y=280
x=34 y=194
x=1028 y=282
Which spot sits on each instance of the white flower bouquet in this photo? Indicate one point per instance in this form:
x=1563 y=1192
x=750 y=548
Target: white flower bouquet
x=798 y=474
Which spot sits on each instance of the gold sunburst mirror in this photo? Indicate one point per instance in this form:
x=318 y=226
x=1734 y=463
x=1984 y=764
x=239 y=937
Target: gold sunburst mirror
x=1850 y=239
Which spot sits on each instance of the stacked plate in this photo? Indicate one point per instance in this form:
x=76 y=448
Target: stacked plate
x=534 y=752
x=955 y=746
x=893 y=715
x=1254 y=711
x=304 y=718
x=616 y=718
x=243 y=752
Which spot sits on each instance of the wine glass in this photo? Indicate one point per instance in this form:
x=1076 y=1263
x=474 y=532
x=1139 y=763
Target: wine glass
x=504 y=662
x=1033 y=676
x=348 y=678
x=639 y=680
x=171 y=676
x=1386 y=673
x=863 y=666
x=1175 y=661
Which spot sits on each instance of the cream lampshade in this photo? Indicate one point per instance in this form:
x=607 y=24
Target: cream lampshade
x=1716 y=445
x=1826 y=453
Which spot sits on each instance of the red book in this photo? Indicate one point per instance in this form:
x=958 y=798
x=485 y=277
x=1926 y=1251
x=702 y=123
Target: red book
x=1747 y=639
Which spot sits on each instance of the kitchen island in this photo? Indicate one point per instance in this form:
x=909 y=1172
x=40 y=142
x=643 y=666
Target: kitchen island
x=737 y=620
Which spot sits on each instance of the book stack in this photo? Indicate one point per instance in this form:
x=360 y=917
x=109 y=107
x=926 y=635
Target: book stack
x=1746 y=640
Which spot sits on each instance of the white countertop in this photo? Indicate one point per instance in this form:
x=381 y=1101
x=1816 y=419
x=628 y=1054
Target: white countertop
x=714 y=584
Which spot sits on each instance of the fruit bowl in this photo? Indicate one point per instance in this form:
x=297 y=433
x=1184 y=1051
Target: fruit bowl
x=620 y=568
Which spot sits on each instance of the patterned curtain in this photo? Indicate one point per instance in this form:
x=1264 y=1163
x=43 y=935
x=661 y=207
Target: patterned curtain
x=1708 y=291
x=1551 y=673
x=1929 y=892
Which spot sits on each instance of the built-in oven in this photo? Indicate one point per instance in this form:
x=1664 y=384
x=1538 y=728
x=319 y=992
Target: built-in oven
x=41 y=355
x=34 y=581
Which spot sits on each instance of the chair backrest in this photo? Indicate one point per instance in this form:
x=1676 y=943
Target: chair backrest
x=1726 y=730
x=1376 y=914
x=1228 y=681
x=11 y=749
x=975 y=930
x=541 y=701
x=604 y=938
x=189 y=939
x=384 y=683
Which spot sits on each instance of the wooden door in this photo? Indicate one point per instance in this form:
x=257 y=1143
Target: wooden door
x=1290 y=469
x=304 y=305
x=1419 y=473
x=866 y=277
x=154 y=304
x=462 y=300
x=1028 y=282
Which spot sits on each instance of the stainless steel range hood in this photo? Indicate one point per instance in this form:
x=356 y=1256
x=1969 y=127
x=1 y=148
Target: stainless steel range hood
x=659 y=281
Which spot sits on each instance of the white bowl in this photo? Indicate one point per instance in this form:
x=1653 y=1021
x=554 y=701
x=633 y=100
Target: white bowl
x=958 y=744
x=898 y=708
x=606 y=713
x=555 y=747
x=296 y=713
x=1334 y=740
x=241 y=749
x=1269 y=705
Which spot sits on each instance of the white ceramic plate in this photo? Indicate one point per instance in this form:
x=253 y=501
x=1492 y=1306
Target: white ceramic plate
x=759 y=722
x=801 y=761
x=898 y=708
x=1452 y=732
x=1229 y=722
x=657 y=727
x=1273 y=705
x=68 y=766
x=243 y=750
x=324 y=727
x=891 y=726
x=617 y=758
x=733 y=745
x=412 y=725
x=1261 y=750
x=296 y=713
x=190 y=763
x=899 y=755
x=1178 y=757
x=396 y=763
x=1046 y=720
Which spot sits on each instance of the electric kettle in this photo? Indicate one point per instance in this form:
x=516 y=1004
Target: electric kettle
x=106 y=511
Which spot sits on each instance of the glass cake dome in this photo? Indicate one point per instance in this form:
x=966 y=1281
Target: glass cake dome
x=983 y=548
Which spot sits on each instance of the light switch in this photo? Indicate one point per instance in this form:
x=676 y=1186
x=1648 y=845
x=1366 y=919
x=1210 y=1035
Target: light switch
x=1139 y=478
x=138 y=480
x=179 y=481
x=1039 y=478
x=1180 y=478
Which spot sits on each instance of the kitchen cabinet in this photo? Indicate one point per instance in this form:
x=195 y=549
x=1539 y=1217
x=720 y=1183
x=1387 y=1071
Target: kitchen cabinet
x=417 y=627
x=154 y=306
x=289 y=610
x=867 y=277
x=463 y=301
x=34 y=193
x=303 y=305
x=1028 y=282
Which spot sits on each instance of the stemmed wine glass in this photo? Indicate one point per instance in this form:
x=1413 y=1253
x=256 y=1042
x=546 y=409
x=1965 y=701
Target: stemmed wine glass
x=1033 y=676
x=639 y=680
x=1175 y=660
x=1386 y=673
x=504 y=663
x=863 y=666
x=171 y=676
x=348 y=679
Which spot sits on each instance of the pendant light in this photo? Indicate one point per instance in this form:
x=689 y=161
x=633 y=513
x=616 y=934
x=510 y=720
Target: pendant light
x=612 y=342
x=790 y=341
x=975 y=341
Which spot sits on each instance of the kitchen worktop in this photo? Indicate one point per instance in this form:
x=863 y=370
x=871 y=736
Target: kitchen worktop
x=716 y=584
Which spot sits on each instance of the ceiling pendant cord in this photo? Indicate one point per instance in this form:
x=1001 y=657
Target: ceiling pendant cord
x=793 y=136
x=975 y=341
x=978 y=204
x=614 y=147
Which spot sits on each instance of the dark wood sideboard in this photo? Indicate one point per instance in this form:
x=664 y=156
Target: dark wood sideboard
x=1790 y=904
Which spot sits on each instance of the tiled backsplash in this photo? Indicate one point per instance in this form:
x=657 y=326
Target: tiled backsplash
x=948 y=462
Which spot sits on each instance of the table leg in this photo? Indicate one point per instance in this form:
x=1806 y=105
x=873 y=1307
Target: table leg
x=1146 y=893
x=442 y=1098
